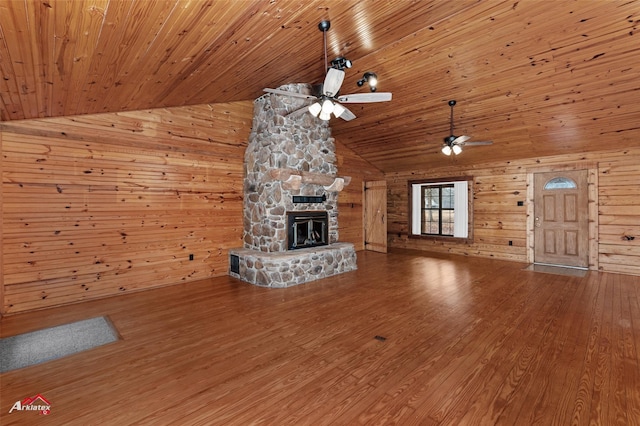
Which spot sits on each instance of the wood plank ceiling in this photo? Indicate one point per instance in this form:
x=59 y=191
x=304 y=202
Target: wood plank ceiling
x=536 y=77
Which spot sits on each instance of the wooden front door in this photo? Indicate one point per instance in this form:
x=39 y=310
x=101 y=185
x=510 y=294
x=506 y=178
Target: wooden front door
x=561 y=228
x=375 y=216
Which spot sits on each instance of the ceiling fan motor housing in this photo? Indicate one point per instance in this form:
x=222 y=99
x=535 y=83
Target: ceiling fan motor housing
x=449 y=139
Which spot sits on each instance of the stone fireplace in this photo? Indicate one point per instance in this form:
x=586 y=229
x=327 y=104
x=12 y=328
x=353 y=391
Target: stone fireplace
x=291 y=187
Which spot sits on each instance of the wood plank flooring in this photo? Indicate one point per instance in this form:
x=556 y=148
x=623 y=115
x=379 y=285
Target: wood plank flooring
x=461 y=341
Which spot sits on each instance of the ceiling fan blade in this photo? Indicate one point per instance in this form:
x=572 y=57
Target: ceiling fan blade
x=460 y=140
x=287 y=93
x=347 y=115
x=365 y=97
x=297 y=112
x=332 y=82
x=478 y=143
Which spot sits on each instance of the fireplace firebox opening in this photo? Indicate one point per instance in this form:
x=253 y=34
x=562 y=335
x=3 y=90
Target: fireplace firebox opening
x=307 y=229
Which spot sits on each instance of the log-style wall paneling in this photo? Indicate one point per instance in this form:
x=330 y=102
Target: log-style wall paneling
x=112 y=203
x=619 y=215
x=350 y=200
x=2 y=308
x=98 y=205
x=614 y=191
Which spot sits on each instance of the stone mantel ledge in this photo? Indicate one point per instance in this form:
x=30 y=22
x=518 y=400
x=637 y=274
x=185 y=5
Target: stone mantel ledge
x=293 y=267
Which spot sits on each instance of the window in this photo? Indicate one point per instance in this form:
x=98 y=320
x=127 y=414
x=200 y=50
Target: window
x=440 y=208
x=438 y=211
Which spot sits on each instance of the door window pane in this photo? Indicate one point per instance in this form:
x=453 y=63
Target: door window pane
x=560 y=183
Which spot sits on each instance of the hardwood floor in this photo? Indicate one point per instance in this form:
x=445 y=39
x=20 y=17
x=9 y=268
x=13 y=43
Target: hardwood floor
x=460 y=341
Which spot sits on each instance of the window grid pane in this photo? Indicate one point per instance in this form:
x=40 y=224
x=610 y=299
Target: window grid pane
x=438 y=210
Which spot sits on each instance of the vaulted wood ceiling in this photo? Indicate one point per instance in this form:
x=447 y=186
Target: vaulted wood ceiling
x=536 y=77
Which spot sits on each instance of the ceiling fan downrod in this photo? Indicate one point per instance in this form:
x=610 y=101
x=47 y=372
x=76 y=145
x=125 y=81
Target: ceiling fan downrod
x=324 y=27
x=451 y=138
x=449 y=142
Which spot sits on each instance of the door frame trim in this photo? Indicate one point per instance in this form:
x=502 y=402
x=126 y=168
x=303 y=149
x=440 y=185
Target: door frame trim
x=592 y=204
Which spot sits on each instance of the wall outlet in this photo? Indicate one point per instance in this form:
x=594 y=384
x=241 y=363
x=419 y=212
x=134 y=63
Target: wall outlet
x=191 y=256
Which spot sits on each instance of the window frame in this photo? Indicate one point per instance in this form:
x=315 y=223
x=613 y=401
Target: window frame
x=434 y=237
x=440 y=208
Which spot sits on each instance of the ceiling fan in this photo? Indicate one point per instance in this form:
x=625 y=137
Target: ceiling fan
x=328 y=101
x=453 y=143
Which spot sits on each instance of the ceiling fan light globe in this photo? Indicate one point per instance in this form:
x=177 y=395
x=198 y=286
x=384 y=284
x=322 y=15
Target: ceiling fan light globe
x=446 y=150
x=315 y=109
x=457 y=149
x=338 y=110
x=325 y=116
x=327 y=106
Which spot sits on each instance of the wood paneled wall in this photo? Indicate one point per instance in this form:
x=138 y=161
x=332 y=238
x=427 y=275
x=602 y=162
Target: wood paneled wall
x=1 y=234
x=98 y=205
x=619 y=214
x=350 y=200
x=497 y=218
x=103 y=204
